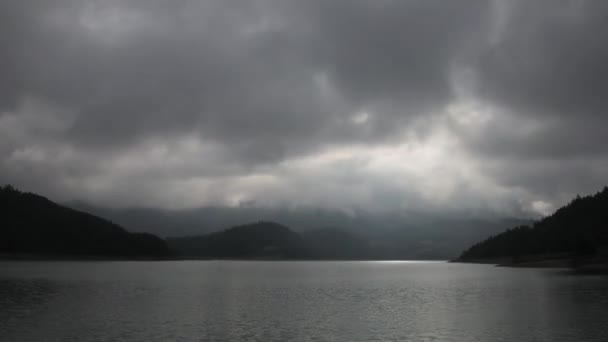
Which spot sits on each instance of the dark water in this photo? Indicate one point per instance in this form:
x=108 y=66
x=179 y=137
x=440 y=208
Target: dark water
x=297 y=301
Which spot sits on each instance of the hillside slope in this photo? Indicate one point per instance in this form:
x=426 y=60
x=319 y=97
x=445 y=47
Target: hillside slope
x=577 y=231
x=266 y=240
x=32 y=224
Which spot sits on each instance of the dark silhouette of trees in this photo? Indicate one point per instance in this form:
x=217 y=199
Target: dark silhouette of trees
x=268 y=240
x=32 y=224
x=257 y=240
x=271 y=240
x=579 y=229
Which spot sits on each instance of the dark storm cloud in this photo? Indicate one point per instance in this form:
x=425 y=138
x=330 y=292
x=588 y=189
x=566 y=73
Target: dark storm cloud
x=545 y=70
x=548 y=65
x=239 y=72
x=244 y=99
x=378 y=50
x=550 y=58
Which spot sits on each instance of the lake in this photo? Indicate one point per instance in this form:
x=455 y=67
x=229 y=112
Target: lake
x=297 y=301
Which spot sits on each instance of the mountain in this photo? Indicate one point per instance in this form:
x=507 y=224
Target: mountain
x=266 y=240
x=32 y=224
x=334 y=243
x=391 y=234
x=269 y=240
x=576 y=232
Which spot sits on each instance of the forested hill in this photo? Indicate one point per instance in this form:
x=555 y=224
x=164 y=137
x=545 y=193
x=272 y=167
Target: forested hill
x=32 y=224
x=577 y=230
x=267 y=240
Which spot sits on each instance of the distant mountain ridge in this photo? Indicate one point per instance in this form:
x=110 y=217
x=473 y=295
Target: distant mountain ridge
x=577 y=231
x=334 y=243
x=270 y=240
x=32 y=224
x=393 y=235
x=267 y=240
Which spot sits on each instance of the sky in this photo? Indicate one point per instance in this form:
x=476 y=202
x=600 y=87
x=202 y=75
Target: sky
x=495 y=106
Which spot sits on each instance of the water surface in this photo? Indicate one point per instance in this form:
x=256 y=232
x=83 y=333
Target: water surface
x=297 y=301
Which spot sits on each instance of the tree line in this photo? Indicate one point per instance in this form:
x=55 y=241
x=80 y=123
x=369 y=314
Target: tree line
x=577 y=230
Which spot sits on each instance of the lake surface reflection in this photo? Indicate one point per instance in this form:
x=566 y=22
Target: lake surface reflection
x=297 y=301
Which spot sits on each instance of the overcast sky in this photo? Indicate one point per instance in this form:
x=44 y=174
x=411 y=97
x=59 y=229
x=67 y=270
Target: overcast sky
x=383 y=105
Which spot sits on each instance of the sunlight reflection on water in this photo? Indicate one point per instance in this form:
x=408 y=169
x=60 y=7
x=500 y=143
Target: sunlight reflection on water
x=296 y=301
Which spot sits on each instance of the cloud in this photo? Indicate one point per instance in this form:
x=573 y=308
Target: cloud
x=375 y=104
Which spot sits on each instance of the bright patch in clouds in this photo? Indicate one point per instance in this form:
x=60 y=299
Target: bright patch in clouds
x=360 y=118
x=543 y=208
x=501 y=107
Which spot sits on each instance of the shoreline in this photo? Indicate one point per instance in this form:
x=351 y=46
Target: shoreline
x=52 y=257
x=591 y=266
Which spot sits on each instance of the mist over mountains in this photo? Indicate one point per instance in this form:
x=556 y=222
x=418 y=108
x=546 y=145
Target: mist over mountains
x=402 y=234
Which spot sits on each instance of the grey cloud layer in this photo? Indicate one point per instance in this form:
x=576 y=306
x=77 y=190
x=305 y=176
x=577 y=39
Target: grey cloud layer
x=204 y=90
